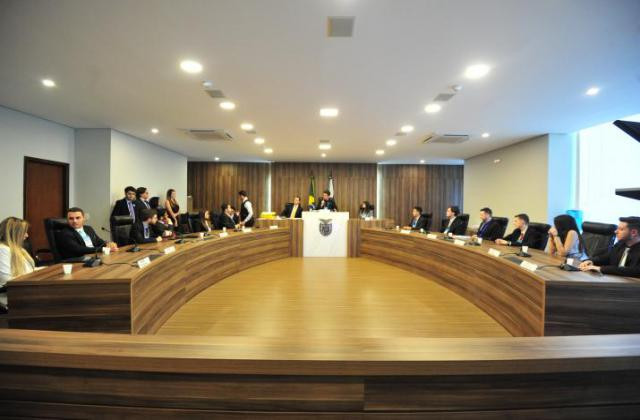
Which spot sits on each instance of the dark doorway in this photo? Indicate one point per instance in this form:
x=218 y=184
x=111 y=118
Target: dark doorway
x=46 y=194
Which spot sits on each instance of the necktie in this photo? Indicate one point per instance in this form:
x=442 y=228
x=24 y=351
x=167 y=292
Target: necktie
x=146 y=232
x=86 y=238
x=132 y=212
x=482 y=228
x=294 y=210
x=623 y=260
x=521 y=238
x=146 y=203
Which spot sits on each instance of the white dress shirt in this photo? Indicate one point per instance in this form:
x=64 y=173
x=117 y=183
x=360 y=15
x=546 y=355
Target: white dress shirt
x=5 y=270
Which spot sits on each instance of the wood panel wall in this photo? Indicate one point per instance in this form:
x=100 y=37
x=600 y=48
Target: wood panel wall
x=211 y=184
x=432 y=187
x=352 y=183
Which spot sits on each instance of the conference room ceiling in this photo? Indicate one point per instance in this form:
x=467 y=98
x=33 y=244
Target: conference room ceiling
x=117 y=64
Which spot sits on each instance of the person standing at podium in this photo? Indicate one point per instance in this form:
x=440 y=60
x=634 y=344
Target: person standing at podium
x=246 y=210
x=327 y=202
x=294 y=211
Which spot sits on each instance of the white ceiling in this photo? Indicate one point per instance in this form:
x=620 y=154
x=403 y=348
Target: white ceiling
x=116 y=64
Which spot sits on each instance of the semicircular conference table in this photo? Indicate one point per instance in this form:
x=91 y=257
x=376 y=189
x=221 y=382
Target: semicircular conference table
x=58 y=373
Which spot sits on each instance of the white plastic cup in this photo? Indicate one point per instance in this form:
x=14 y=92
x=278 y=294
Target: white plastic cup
x=397 y=227
x=67 y=268
x=224 y=229
x=201 y=235
x=525 y=249
x=479 y=240
x=106 y=250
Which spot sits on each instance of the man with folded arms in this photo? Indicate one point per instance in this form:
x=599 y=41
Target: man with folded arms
x=624 y=258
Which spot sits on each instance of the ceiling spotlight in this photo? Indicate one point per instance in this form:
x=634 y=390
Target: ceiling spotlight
x=379 y=152
x=496 y=161
x=268 y=150
x=456 y=88
x=432 y=108
x=324 y=145
x=246 y=126
x=485 y=135
x=421 y=160
x=48 y=83
x=476 y=71
x=406 y=128
x=216 y=158
x=392 y=142
x=259 y=140
x=329 y=112
x=190 y=66
x=155 y=130
x=207 y=84
x=592 y=91
x=227 y=105
x=324 y=155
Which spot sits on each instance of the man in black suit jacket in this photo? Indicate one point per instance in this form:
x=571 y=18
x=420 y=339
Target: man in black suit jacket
x=146 y=230
x=624 y=258
x=418 y=221
x=456 y=225
x=293 y=211
x=227 y=218
x=327 y=202
x=142 y=201
x=521 y=235
x=489 y=229
x=78 y=239
x=126 y=206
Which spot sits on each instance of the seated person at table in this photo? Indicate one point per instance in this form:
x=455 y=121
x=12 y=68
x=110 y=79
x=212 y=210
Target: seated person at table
x=418 y=221
x=146 y=230
x=164 y=221
x=624 y=258
x=204 y=222
x=521 y=235
x=294 y=211
x=227 y=219
x=489 y=229
x=78 y=239
x=327 y=202
x=14 y=259
x=126 y=206
x=565 y=239
x=455 y=225
x=366 y=210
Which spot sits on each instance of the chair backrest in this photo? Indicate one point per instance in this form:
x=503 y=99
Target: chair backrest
x=543 y=234
x=465 y=218
x=429 y=217
x=51 y=227
x=184 y=223
x=598 y=237
x=121 y=230
x=503 y=222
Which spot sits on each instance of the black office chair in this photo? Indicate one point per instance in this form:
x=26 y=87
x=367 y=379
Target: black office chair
x=51 y=227
x=195 y=223
x=429 y=217
x=503 y=222
x=598 y=237
x=542 y=229
x=465 y=218
x=121 y=230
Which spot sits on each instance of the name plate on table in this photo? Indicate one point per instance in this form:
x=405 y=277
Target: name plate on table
x=570 y=261
x=144 y=262
x=223 y=234
x=169 y=250
x=458 y=242
x=246 y=230
x=432 y=236
x=528 y=266
x=273 y=227
x=405 y=231
x=494 y=252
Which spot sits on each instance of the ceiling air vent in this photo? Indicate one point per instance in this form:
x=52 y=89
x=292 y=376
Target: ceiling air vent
x=215 y=93
x=340 y=26
x=210 y=135
x=443 y=97
x=445 y=138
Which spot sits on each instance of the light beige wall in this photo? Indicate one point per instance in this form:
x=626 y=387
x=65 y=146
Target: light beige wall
x=517 y=184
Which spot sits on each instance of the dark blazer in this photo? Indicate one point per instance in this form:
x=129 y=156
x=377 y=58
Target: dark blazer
x=139 y=206
x=137 y=233
x=121 y=208
x=531 y=238
x=288 y=209
x=457 y=227
x=329 y=204
x=490 y=230
x=609 y=261
x=226 y=221
x=420 y=224
x=71 y=245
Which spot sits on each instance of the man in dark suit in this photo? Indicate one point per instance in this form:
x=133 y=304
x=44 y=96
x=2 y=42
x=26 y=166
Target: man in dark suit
x=126 y=206
x=246 y=210
x=227 y=218
x=146 y=230
x=456 y=225
x=521 y=235
x=142 y=201
x=78 y=239
x=418 y=221
x=327 y=202
x=624 y=258
x=293 y=211
x=489 y=229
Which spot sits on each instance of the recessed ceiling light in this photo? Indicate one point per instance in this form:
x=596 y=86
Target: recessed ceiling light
x=190 y=66
x=268 y=150
x=392 y=142
x=246 y=126
x=155 y=130
x=421 y=160
x=259 y=140
x=592 y=91
x=476 y=71
x=324 y=145
x=324 y=155
x=485 y=135
x=432 y=108
x=227 y=105
x=406 y=128
x=497 y=161
x=207 y=84
x=48 y=83
x=329 y=112
x=216 y=158
x=379 y=152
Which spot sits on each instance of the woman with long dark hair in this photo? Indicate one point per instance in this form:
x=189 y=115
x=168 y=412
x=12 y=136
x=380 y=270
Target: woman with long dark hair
x=565 y=239
x=366 y=210
x=171 y=206
x=206 y=224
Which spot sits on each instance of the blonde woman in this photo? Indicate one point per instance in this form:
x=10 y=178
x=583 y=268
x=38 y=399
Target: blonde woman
x=14 y=259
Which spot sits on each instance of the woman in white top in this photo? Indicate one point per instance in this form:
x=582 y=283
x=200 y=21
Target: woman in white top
x=565 y=239
x=14 y=259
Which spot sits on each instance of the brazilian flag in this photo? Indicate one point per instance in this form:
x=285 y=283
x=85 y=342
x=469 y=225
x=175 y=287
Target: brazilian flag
x=312 y=190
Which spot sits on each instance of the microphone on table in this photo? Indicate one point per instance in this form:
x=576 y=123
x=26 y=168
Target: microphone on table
x=522 y=253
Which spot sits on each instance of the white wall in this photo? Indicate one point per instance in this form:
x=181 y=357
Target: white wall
x=25 y=135
x=562 y=176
